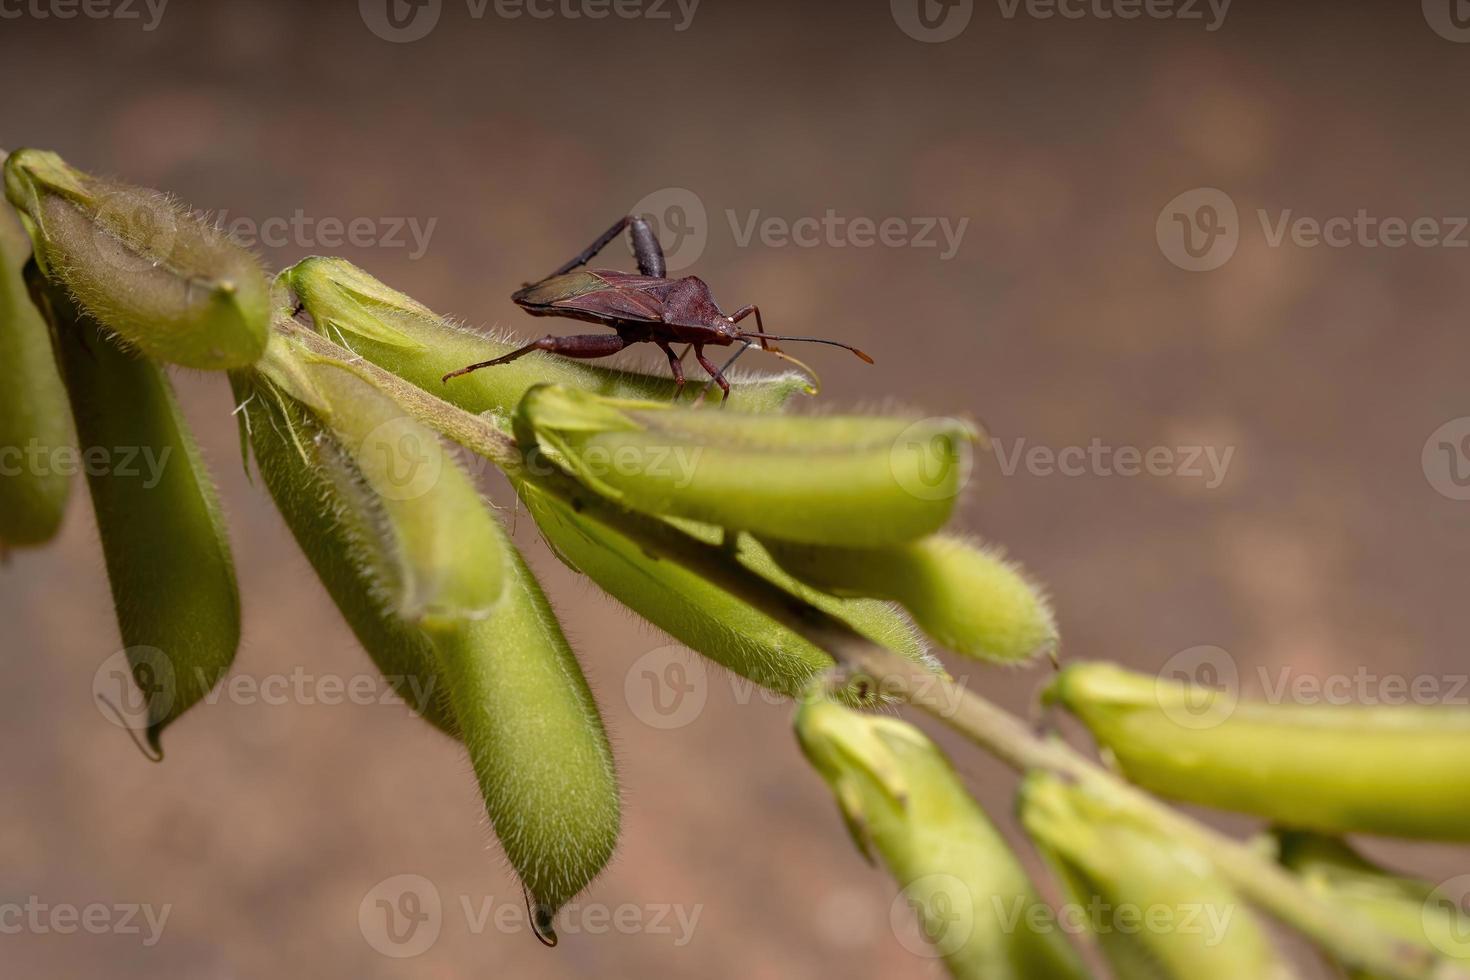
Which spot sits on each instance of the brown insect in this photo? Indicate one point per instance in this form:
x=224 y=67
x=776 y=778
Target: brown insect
x=644 y=308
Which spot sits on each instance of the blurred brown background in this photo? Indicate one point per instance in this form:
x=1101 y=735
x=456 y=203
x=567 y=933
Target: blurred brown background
x=1061 y=318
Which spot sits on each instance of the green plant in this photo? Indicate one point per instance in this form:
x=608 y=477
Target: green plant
x=799 y=552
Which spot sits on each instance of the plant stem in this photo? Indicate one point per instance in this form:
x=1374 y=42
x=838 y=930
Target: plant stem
x=1349 y=935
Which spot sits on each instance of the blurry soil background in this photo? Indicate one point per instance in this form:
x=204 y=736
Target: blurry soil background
x=1051 y=148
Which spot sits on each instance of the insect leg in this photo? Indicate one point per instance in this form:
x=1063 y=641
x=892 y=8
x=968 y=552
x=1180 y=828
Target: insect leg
x=587 y=254
x=713 y=371
x=582 y=345
x=675 y=366
x=646 y=249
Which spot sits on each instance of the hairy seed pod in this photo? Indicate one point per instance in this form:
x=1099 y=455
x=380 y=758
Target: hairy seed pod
x=536 y=741
x=1398 y=771
x=968 y=599
x=338 y=523
x=163 y=536
x=901 y=798
x=35 y=422
x=447 y=551
x=1158 y=909
x=432 y=554
x=401 y=335
x=841 y=480
x=1431 y=917
x=700 y=615
x=165 y=282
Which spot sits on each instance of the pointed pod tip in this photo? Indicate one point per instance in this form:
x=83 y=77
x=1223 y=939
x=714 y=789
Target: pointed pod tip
x=542 y=924
x=155 y=742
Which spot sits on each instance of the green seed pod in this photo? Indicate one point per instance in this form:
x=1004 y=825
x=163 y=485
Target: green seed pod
x=163 y=536
x=423 y=547
x=841 y=480
x=900 y=797
x=1398 y=771
x=536 y=741
x=446 y=550
x=1158 y=909
x=159 y=277
x=401 y=335
x=966 y=598
x=1412 y=910
x=700 y=615
x=35 y=422
x=337 y=521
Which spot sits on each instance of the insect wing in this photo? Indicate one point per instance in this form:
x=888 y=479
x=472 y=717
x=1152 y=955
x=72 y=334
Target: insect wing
x=559 y=288
x=616 y=301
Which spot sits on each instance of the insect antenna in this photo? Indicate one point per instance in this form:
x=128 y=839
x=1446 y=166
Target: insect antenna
x=808 y=340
